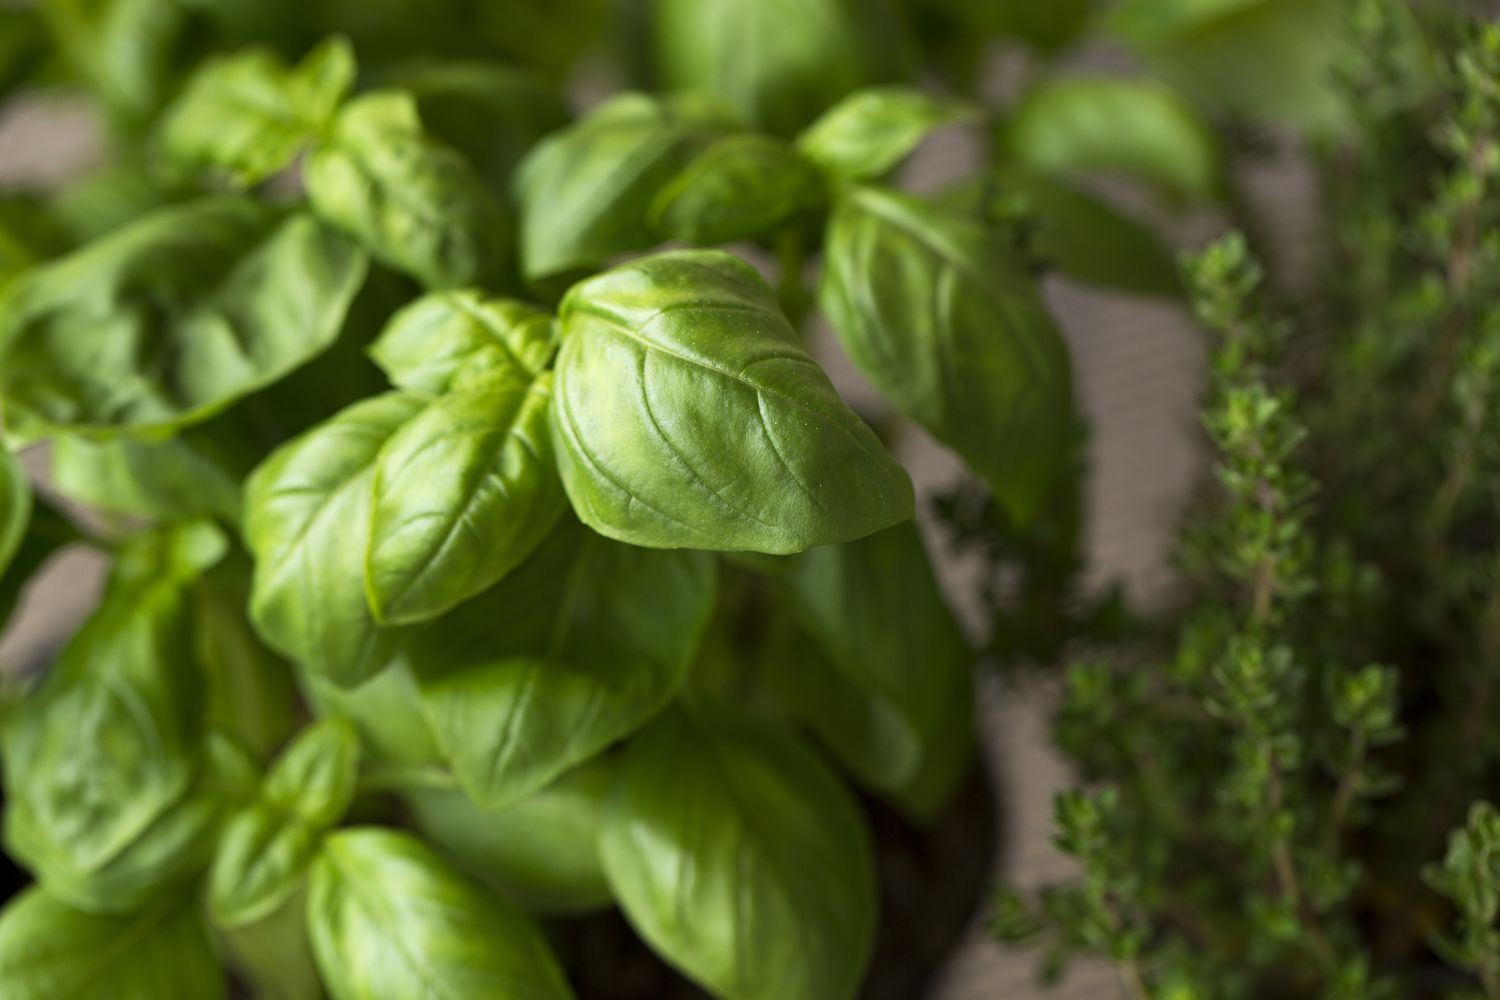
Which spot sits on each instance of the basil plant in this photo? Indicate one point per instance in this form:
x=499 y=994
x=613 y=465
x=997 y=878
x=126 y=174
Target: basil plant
x=437 y=497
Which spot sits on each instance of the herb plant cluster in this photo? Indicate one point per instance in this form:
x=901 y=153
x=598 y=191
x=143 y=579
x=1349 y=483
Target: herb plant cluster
x=399 y=662
x=1294 y=800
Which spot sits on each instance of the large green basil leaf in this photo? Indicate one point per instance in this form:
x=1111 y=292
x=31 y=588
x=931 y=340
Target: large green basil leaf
x=947 y=324
x=585 y=191
x=50 y=951
x=427 y=344
x=315 y=777
x=416 y=203
x=462 y=493
x=741 y=187
x=779 y=63
x=491 y=112
x=687 y=414
x=123 y=49
x=741 y=859
x=173 y=850
x=307 y=519
x=107 y=745
x=171 y=319
x=15 y=507
x=261 y=859
x=869 y=133
x=1079 y=233
x=387 y=711
x=391 y=920
x=266 y=848
x=182 y=475
x=250 y=115
x=577 y=647
x=1080 y=124
x=252 y=695
x=1265 y=59
x=875 y=609
x=542 y=852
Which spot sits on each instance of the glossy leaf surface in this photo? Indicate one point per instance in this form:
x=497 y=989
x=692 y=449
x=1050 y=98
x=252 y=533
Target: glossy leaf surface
x=947 y=324
x=687 y=414
x=740 y=858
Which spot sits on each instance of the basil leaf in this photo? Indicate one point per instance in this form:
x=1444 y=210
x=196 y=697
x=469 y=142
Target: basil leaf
x=414 y=202
x=687 y=414
x=387 y=711
x=947 y=324
x=491 y=112
x=1291 y=48
x=875 y=609
x=307 y=518
x=778 y=64
x=50 y=951
x=741 y=859
x=577 y=647
x=585 y=191
x=462 y=493
x=741 y=187
x=106 y=746
x=251 y=693
x=180 y=476
x=273 y=956
x=542 y=852
x=250 y=115
x=1089 y=239
x=173 y=850
x=429 y=342
x=867 y=134
x=15 y=507
x=266 y=848
x=1139 y=128
x=123 y=49
x=389 y=918
x=262 y=857
x=314 y=778
x=174 y=317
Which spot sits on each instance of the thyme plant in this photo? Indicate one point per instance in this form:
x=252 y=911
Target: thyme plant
x=1269 y=800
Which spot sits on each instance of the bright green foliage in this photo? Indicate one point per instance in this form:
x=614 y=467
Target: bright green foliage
x=436 y=497
x=585 y=191
x=250 y=115
x=50 y=951
x=578 y=647
x=416 y=203
x=265 y=849
x=740 y=187
x=680 y=371
x=725 y=830
x=371 y=886
x=173 y=318
x=943 y=318
x=1137 y=129
x=869 y=133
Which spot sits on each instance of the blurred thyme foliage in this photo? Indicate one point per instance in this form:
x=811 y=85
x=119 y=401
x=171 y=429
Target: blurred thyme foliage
x=1272 y=792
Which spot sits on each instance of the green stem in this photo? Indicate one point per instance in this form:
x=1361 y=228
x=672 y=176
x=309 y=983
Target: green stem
x=398 y=779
